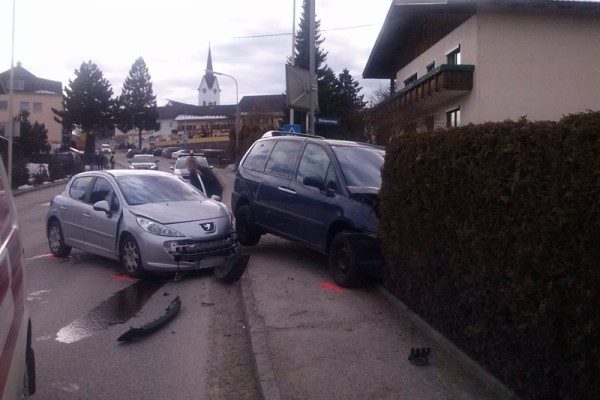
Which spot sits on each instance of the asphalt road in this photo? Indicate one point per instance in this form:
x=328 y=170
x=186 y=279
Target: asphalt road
x=80 y=305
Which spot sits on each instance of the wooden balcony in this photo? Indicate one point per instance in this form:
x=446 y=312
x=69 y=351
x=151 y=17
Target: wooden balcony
x=436 y=87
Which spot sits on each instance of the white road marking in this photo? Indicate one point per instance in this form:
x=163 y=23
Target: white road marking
x=45 y=204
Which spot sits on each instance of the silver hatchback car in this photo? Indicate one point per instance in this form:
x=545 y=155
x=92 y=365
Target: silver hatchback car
x=147 y=220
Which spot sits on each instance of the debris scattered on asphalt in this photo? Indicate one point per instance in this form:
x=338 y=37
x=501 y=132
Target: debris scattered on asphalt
x=419 y=356
x=207 y=304
x=298 y=313
x=166 y=294
x=170 y=312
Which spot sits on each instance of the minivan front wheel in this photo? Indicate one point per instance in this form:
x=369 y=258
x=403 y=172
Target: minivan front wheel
x=248 y=234
x=343 y=265
x=56 y=240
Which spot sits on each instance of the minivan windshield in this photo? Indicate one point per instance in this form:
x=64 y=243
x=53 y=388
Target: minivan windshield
x=361 y=166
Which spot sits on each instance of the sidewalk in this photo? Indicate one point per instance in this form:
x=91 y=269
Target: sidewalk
x=314 y=340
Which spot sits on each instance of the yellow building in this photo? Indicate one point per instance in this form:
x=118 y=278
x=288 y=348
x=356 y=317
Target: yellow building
x=36 y=95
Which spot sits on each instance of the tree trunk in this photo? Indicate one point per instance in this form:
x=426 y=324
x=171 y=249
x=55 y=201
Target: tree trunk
x=140 y=139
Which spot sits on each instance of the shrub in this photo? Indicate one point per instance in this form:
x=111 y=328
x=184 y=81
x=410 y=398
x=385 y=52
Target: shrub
x=56 y=171
x=492 y=234
x=41 y=175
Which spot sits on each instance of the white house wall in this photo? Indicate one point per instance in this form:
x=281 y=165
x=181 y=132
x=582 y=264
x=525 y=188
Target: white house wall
x=464 y=35
x=538 y=63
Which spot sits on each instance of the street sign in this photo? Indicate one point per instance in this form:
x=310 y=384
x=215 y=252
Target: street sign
x=331 y=121
x=295 y=128
x=297 y=81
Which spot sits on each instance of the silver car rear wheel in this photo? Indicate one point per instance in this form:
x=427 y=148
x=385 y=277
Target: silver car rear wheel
x=131 y=257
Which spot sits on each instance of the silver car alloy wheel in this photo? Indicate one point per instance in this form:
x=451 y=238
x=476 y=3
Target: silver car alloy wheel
x=131 y=256
x=54 y=238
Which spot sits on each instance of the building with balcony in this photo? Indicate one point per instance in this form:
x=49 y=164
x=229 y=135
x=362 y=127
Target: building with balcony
x=36 y=95
x=456 y=62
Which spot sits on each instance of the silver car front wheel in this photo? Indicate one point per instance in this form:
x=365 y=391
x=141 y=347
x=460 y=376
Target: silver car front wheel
x=131 y=257
x=56 y=240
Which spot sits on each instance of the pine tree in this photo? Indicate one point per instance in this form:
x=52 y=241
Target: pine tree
x=137 y=103
x=87 y=103
x=301 y=53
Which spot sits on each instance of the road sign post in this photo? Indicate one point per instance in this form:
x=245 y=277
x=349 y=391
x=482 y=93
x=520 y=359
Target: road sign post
x=292 y=128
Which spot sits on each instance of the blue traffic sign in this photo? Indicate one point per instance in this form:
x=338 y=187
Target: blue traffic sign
x=292 y=128
x=327 y=121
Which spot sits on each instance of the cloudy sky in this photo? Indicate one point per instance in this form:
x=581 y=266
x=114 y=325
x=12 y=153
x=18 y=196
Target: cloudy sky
x=54 y=37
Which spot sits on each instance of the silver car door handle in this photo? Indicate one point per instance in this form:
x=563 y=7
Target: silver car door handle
x=87 y=215
x=63 y=207
x=286 y=190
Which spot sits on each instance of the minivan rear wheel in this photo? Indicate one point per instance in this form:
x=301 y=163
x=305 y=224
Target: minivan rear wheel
x=248 y=234
x=56 y=240
x=343 y=265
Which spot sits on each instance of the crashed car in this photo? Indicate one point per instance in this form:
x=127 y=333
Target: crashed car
x=320 y=193
x=149 y=221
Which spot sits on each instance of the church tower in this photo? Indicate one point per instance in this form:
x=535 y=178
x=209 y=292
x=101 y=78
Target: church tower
x=209 y=92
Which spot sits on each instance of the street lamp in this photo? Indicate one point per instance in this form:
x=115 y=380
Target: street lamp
x=237 y=112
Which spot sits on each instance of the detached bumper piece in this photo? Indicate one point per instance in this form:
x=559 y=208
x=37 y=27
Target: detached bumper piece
x=191 y=250
x=171 y=311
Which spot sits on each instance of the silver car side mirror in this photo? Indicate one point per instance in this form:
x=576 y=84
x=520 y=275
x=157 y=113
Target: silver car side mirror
x=102 y=205
x=215 y=198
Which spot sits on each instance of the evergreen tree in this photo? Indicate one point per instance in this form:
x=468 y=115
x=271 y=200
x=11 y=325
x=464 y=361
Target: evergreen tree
x=33 y=137
x=339 y=95
x=137 y=104
x=87 y=103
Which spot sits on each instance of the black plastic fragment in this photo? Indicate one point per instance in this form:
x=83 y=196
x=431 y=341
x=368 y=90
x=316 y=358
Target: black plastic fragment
x=419 y=356
x=170 y=312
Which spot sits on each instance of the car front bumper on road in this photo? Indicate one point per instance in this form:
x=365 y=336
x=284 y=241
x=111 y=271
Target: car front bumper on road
x=186 y=254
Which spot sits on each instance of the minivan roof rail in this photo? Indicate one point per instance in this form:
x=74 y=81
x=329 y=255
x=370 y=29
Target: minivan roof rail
x=282 y=133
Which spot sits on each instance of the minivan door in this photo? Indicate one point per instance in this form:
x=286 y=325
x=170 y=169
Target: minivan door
x=274 y=194
x=312 y=209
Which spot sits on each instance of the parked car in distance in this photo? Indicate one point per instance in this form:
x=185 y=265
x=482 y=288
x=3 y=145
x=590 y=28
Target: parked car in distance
x=17 y=371
x=169 y=151
x=175 y=155
x=106 y=148
x=131 y=152
x=316 y=192
x=143 y=161
x=157 y=152
x=149 y=221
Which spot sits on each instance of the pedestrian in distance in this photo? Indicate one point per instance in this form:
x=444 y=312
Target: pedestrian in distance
x=113 y=160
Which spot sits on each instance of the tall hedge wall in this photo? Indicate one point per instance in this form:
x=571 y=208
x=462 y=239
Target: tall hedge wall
x=492 y=234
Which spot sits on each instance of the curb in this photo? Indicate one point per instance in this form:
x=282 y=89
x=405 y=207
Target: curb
x=500 y=390
x=257 y=330
x=18 y=192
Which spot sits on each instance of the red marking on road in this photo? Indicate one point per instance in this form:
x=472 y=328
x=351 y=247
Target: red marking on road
x=49 y=255
x=118 y=277
x=331 y=286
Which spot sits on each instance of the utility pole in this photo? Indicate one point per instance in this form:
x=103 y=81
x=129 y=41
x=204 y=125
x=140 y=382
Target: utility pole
x=11 y=99
x=312 y=83
x=293 y=59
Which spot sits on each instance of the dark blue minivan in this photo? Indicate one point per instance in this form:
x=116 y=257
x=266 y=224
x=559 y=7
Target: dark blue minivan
x=316 y=192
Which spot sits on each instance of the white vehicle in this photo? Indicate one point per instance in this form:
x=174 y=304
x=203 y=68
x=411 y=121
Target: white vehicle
x=175 y=155
x=106 y=148
x=17 y=369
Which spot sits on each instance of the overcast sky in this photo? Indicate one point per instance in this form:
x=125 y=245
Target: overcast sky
x=54 y=37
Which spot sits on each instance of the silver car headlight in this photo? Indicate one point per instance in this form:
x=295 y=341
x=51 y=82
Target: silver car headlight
x=153 y=167
x=155 y=228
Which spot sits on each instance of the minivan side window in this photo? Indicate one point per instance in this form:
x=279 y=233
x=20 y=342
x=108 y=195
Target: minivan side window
x=257 y=157
x=283 y=157
x=80 y=187
x=315 y=162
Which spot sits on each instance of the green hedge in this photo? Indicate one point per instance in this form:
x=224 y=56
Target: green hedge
x=492 y=234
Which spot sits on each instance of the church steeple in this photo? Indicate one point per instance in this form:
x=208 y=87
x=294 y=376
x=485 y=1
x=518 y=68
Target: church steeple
x=209 y=92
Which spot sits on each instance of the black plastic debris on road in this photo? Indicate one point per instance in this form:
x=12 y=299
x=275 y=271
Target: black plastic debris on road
x=170 y=312
x=419 y=356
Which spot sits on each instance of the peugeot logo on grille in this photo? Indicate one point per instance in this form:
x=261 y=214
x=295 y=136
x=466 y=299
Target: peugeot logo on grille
x=208 y=227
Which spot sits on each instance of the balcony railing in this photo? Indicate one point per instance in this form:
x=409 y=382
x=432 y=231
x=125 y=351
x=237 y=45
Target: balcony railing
x=439 y=85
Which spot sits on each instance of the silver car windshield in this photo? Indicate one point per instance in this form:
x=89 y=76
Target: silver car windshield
x=144 y=189
x=143 y=159
x=180 y=163
x=361 y=166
